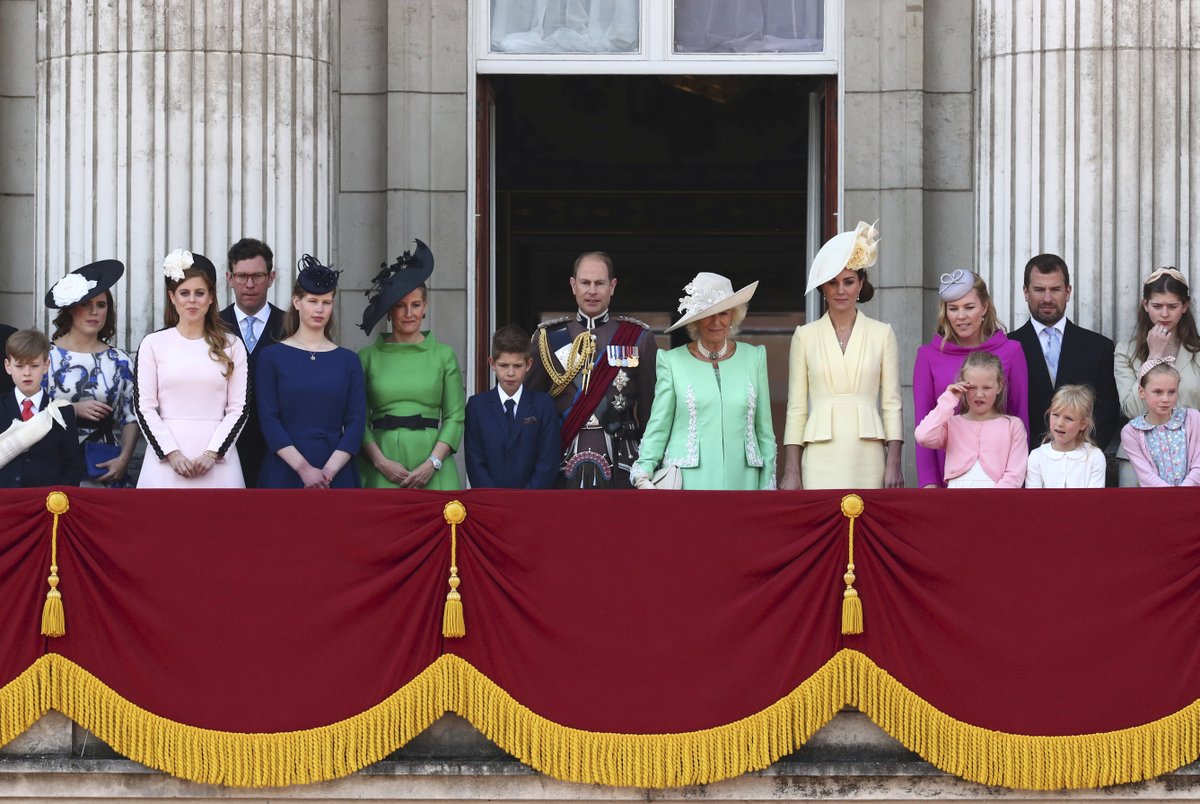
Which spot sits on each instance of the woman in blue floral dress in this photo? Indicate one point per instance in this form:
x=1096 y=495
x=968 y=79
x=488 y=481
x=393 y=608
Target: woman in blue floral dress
x=88 y=371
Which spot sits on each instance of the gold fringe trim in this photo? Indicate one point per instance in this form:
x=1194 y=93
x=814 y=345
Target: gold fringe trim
x=451 y=684
x=647 y=760
x=1022 y=761
x=247 y=760
x=24 y=700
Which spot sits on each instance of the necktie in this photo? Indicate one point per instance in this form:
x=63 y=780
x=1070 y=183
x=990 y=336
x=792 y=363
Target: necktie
x=26 y=409
x=248 y=327
x=510 y=412
x=1051 y=350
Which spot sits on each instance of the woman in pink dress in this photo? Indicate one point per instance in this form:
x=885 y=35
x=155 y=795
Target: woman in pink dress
x=190 y=385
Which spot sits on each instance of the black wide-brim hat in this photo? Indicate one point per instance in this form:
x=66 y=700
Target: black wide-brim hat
x=104 y=273
x=394 y=282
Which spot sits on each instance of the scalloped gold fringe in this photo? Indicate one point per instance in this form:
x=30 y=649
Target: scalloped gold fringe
x=636 y=760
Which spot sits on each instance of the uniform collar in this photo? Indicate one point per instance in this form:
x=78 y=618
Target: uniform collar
x=591 y=323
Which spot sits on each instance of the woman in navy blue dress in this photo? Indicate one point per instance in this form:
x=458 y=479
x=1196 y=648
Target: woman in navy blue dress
x=312 y=400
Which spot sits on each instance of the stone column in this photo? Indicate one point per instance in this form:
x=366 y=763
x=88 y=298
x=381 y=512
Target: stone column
x=180 y=124
x=1088 y=148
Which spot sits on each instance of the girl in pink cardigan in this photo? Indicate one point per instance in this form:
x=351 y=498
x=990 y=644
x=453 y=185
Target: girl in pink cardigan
x=984 y=447
x=1163 y=444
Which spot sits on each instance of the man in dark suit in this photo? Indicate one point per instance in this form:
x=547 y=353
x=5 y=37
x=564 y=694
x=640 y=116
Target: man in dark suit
x=54 y=458
x=512 y=435
x=1060 y=353
x=251 y=273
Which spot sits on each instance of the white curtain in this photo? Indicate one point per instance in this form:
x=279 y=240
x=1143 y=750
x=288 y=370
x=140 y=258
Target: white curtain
x=749 y=26
x=565 y=26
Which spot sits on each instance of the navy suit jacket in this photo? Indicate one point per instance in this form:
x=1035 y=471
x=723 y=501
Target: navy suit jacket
x=56 y=460
x=526 y=456
x=1085 y=358
x=251 y=446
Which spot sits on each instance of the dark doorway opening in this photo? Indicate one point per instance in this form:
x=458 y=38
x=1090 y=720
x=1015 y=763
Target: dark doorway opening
x=671 y=175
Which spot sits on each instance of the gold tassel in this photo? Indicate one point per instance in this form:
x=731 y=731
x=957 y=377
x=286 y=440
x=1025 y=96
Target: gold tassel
x=54 y=621
x=453 y=624
x=852 y=612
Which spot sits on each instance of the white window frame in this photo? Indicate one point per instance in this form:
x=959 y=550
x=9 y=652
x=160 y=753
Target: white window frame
x=656 y=54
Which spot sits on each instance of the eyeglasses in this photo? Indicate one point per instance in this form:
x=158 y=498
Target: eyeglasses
x=246 y=279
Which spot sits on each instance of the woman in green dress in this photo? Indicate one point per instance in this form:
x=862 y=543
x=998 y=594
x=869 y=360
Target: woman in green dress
x=415 y=395
x=711 y=416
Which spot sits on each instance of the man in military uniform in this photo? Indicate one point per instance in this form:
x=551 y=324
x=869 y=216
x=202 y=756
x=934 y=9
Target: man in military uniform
x=600 y=369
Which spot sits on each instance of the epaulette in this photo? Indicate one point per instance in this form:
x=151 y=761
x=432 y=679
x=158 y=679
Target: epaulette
x=631 y=320
x=554 y=321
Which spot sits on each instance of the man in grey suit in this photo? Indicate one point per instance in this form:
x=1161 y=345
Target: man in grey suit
x=251 y=272
x=1060 y=353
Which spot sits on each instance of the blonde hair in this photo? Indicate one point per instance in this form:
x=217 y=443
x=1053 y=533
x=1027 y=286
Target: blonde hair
x=1078 y=400
x=986 y=360
x=735 y=322
x=988 y=327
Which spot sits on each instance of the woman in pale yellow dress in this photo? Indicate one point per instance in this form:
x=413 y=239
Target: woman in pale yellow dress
x=844 y=424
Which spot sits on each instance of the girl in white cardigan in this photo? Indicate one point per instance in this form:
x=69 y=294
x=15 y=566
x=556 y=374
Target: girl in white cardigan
x=1068 y=459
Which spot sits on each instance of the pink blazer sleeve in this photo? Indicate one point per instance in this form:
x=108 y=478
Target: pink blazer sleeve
x=924 y=397
x=236 y=407
x=932 y=430
x=145 y=394
x=1018 y=458
x=1135 y=447
x=1192 y=425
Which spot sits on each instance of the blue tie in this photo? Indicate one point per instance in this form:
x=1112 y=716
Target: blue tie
x=510 y=411
x=1051 y=350
x=248 y=328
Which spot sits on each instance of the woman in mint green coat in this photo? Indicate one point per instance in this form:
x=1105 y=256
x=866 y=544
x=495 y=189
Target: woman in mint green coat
x=711 y=417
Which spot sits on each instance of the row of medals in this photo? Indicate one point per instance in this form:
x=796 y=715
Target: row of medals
x=623 y=356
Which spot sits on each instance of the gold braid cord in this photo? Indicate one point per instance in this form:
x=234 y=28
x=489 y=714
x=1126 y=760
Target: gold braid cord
x=581 y=356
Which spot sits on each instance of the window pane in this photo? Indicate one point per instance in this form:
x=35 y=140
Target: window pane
x=565 y=26
x=749 y=26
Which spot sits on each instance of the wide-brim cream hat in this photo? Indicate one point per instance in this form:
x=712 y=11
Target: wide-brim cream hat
x=709 y=294
x=856 y=250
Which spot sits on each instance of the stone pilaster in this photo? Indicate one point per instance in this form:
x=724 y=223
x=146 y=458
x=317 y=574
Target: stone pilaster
x=1088 y=147
x=180 y=124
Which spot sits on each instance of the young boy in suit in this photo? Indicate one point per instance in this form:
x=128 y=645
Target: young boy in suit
x=512 y=435
x=55 y=459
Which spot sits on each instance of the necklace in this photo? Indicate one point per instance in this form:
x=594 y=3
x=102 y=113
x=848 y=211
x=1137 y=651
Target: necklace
x=713 y=356
x=312 y=353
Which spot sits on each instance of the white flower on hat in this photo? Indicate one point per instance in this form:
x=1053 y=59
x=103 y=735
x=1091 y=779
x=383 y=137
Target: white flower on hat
x=700 y=297
x=176 y=263
x=71 y=288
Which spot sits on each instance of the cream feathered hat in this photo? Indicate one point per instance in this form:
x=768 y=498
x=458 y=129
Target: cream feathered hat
x=709 y=294
x=854 y=250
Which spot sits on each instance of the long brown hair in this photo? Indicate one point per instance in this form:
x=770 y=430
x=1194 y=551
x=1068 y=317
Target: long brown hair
x=66 y=319
x=1185 y=330
x=291 y=319
x=215 y=331
x=987 y=328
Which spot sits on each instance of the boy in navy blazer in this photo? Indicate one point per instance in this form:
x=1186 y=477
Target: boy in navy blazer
x=55 y=459
x=512 y=432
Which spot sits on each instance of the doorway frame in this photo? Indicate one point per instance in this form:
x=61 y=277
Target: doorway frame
x=655 y=58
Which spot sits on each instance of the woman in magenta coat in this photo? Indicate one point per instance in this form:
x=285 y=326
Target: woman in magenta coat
x=966 y=323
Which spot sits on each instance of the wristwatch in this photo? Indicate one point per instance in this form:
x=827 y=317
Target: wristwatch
x=437 y=464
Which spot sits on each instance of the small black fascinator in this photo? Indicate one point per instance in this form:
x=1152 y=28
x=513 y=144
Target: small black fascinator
x=394 y=282
x=314 y=277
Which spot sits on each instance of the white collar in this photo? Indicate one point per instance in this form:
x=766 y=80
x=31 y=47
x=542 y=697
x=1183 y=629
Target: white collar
x=1080 y=453
x=263 y=315
x=516 y=398
x=36 y=399
x=1060 y=325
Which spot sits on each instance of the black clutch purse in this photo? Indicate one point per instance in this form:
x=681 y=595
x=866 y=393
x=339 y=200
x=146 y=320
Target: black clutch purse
x=94 y=453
